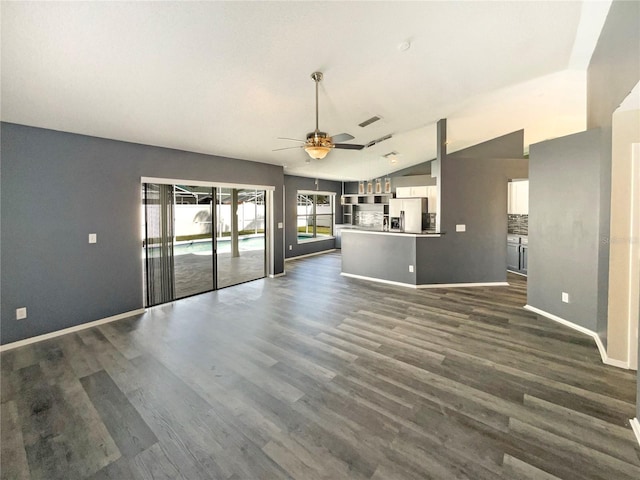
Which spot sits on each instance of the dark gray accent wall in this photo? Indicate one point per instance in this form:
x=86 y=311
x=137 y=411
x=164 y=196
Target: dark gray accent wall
x=423 y=168
x=473 y=193
x=564 y=207
x=59 y=187
x=510 y=145
x=382 y=256
x=291 y=186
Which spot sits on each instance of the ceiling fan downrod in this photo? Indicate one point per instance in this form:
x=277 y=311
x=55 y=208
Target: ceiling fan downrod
x=317 y=77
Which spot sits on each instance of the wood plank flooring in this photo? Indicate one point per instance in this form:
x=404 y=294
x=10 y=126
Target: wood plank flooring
x=317 y=376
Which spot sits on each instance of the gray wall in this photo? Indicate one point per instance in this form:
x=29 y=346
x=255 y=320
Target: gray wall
x=474 y=193
x=510 y=145
x=613 y=72
x=59 y=187
x=381 y=256
x=615 y=64
x=564 y=184
x=291 y=186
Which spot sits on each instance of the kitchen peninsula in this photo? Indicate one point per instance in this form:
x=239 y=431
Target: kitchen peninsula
x=390 y=257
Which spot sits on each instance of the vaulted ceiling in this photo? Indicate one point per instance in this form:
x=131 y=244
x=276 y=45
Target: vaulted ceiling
x=229 y=78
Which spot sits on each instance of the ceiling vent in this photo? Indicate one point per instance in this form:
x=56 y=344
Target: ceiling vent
x=366 y=123
x=378 y=140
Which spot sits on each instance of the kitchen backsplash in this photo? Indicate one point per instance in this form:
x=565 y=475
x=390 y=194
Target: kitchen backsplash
x=518 y=224
x=369 y=219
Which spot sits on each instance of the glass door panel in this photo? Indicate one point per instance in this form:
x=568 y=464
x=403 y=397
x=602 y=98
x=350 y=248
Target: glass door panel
x=241 y=240
x=193 y=246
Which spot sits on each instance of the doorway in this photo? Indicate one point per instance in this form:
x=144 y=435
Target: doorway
x=199 y=238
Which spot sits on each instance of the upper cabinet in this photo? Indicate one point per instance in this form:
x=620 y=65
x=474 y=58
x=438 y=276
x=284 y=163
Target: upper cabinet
x=412 y=192
x=426 y=191
x=518 y=197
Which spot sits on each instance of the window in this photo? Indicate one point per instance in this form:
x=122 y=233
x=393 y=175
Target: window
x=315 y=215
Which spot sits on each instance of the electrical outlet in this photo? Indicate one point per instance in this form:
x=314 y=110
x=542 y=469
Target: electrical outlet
x=411 y=268
x=461 y=228
x=21 y=313
x=290 y=247
x=93 y=238
x=565 y=297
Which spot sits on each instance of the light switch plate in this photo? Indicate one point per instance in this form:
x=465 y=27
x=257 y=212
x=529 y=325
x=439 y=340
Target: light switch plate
x=21 y=313
x=411 y=268
x=93 y=238
x=461 y=227
x=280 y=225
x=565 y=297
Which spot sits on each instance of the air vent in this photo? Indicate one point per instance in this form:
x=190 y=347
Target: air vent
x=366 y=123
x=378 y=140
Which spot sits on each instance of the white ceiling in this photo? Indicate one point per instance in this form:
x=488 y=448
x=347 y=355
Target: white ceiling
x=228 y=78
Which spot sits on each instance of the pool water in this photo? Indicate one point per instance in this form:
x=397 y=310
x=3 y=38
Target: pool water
x=203 y=247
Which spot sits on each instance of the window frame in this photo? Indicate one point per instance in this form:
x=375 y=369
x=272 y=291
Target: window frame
x=311 y=218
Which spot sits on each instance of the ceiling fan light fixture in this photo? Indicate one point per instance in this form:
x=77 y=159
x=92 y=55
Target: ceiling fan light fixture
x=317 y=152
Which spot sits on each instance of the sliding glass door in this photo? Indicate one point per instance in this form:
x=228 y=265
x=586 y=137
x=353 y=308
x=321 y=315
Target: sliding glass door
x=181 y=223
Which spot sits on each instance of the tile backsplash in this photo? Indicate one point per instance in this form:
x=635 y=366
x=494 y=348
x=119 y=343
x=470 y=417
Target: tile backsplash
x=369 y=219
x=518 y=224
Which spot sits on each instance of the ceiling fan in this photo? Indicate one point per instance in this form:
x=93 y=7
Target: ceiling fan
x=318 y=143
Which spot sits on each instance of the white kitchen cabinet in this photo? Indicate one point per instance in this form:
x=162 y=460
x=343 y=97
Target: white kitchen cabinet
x=403 y=192
x=432 y=196
x=429 y=192
x=412 y=192
x=518 y=197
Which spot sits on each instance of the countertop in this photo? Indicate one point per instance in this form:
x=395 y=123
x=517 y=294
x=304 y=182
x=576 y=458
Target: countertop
x=371 y=231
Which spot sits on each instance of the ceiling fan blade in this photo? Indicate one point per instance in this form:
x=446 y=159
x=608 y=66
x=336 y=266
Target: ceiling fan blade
x=286 y=148
x=292 y=139
x=342 y=137
x=348 y=146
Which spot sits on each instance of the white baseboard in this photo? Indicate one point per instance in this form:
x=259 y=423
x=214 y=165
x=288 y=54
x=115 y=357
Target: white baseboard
x=378 y=280
x=310 y=254
x=461 y=285
x=517 y=273
x=635 y=426
x=616 y=363
x=276 y=275
x=603 y=351
x=430 y=285
x=76 y=328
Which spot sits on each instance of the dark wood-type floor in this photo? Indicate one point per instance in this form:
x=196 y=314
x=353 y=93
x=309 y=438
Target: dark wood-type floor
x=313 y=375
